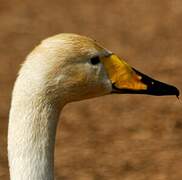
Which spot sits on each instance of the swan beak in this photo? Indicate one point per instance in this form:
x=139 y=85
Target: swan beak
x=127 y=80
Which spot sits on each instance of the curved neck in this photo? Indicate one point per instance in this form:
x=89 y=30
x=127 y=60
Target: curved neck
x=31 y=138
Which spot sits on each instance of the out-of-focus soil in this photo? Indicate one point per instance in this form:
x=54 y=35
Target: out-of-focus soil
x=127 y=137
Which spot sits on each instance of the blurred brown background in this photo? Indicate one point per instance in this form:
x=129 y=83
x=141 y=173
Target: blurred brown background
x=127 y=137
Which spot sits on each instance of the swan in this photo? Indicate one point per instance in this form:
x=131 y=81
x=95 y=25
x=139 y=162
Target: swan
x=63 y=68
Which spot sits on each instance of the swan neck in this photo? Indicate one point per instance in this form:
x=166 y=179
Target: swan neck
x=31 y=138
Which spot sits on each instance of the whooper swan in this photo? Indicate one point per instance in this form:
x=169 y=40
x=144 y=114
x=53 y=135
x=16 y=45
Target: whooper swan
x=63 y=68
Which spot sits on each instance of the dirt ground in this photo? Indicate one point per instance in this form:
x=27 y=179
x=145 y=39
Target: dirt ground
x=116 y=137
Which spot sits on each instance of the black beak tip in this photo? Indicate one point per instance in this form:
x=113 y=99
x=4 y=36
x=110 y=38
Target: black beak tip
x=177 y=93
x=157 y=88
x=164 y=89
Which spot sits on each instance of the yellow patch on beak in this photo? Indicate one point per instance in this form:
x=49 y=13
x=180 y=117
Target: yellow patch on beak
x=121 y=74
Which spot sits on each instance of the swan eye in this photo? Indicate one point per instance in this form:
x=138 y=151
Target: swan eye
x=95 y=60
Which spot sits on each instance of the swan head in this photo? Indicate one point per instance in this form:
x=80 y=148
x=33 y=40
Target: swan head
x=76 y=67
